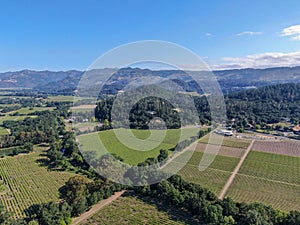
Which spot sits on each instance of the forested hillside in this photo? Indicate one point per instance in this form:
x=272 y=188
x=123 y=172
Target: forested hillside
x=247 y=108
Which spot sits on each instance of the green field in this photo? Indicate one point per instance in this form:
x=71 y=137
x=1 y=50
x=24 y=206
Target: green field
x=61 y=98
x=23 y=113
x=269 y=178
x=68 y=98
x=15 y=118
x=26 y=111
x=27 y=183
x=137 y=210
x=90 y=142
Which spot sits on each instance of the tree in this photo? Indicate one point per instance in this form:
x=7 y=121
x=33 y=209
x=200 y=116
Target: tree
x=75 y=192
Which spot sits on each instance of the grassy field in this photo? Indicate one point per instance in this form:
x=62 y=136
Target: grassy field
x=61 y=98
x=27 y=183
x=26 y=111
x=90 y=142
x=137 y=210
x=15 y=118
x=23 y=113
x=269 y=178
x=68 y=98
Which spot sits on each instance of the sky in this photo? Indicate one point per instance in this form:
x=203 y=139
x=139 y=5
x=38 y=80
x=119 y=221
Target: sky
x=65 y=34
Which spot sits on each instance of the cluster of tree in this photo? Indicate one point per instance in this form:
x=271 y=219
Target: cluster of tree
x=210 y=210
x=266 y=105
x=46 y=127
x=77 y=195
x=64 y=154
x=245 y=109
x=26 y=148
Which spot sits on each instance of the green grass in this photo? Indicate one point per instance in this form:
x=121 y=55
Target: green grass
x=90 y=142
x=15 y=118
x=67 y=98
x=28 y=183
x=26 y=111
x=61 y=98
x=23 y=113
x=140 y=210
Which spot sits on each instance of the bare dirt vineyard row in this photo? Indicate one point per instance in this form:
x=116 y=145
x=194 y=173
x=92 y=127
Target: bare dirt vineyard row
x=291 y=148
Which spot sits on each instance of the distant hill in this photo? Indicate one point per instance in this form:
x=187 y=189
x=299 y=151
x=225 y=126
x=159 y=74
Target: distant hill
x=230 y=80
x=34 y=79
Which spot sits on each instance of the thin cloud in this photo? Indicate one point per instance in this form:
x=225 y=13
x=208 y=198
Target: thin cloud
x=250 y=33
x=293 y=32
x=209 y=34
x=264 y=60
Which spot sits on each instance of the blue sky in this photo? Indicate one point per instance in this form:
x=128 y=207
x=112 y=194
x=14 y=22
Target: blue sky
x=62 y=35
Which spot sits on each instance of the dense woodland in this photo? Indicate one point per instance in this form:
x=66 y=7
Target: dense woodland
x=245 y=109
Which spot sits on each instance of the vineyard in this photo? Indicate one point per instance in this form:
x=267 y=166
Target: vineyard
x=26 y=183
x=227 y=141
x=139 y=210
x=255 y=189
x=269 y=178
x=213 y=178
x=223 y=151
x=291 y=148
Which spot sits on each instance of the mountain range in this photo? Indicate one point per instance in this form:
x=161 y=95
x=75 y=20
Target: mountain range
x=67 y=81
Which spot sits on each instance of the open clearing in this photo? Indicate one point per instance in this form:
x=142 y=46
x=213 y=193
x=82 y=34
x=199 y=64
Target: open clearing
x=23 y=113
x=90 y=142
x=131 y=209
x=27 y=183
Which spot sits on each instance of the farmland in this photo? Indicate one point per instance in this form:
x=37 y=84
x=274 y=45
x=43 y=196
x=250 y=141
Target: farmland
x=214 y=177
x=227 y=141
x=278 y=147
x=256 y=189
x=113 y=145
x=130 y=209
x=27 y=183
x=269 y=178
x=22 y=113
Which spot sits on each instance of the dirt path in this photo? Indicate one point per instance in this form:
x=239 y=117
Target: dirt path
x=234 y=173
x=179 y=154
x=96 y=208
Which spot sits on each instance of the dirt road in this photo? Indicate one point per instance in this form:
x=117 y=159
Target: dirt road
x=234 y=173
x=96 y=208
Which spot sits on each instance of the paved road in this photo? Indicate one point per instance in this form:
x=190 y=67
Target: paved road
x=234 y=173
